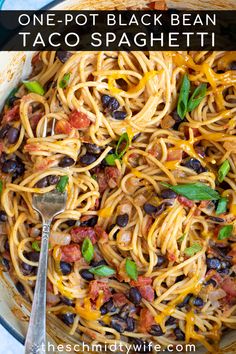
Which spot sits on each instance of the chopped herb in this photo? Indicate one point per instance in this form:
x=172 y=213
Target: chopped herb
x=182 y=105
x=61 y=185
x=191 y=251
x=111 y=158
x=1 y=186
x=65 y=80
x=223 y=170
x=225 y=232
x=221 y=206
x=180 y=240
x=194 y=191
x=131 y=269
x=197 y=97
x=102 y=271
x=12 y=94
x=34 y=86
x=35 y=246
x=87 y=250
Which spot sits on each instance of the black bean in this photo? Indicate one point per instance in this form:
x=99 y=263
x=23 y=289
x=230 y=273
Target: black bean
x=52 y=179
x=68 y=318
x=149 y=208
x=107 y=307
x=88 y=159
x=156 y=331
x=161 y=260
x=125 y=311
x=4 y=130
x=122 y=220
x=170 y=321
x=118 y=324
x=224 y=271
x=113 y=104
x=90 y=222
x=197 y=301
x=185 y=301
x=232 y=65
x=179 y=334
x=65 y=300
x=134 y=296
x=66 y=268
x=12 y=135
x=211 y=282
x=142 y=346
x=9 y=166
x=160 y=208
x=32 y=256
x=130 y=324
x=176 y=117
x=63 y=56
x=119 y=115
x=94 y=263
x=66 y=161
x=193 y=164
x=42 y=183
x=180 y=278
x=70 y=222
x=7 y=246
x=216 y=219
x=26 y=268
x=86 y=275
x=6 y=264
x=93 y=149
x=168 y=194
x=20 y=168
x=225 y=264
x=213 y=263
x=3 y=216
x=105 y=100
x=20 y=287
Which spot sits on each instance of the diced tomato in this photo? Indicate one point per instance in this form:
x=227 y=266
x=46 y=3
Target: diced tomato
x=43 y=164
x=141 y=281
x=102 y=181
x=36 y=58
x=158 y=5
x=229 y=286
x=49 y=286
x=70 y=253
x=174 y=155
x=101 y=233
x=185 y=201
x=35 y=119
x=11 y=114
x=147 y=292
x=79 y=120
x=146 y=320
x=79 y=233
x=155 y=151
x=63 y=127
x=95 y=286
x=90 y=77
x=171 y=256
x=112 y=175
x=120 y=299
x=196 y=132
x=216 y=231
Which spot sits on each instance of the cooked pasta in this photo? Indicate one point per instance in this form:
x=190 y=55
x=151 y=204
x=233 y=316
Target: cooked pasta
x=144 y=143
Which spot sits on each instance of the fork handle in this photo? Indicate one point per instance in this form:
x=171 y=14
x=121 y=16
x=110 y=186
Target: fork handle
x=36 y=336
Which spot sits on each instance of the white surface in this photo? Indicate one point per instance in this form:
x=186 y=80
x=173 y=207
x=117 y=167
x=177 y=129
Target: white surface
x=8 y=344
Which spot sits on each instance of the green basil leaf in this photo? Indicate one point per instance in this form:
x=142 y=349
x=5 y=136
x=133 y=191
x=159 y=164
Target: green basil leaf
x=180 y=240
x=197 y=97
x=35 y=246
x=102 y=271
x=111 y=158
x=65 y=80
x=87 y=250
x=61 y=185
x=221 y=206
x=131 y=269
x=11 y=94
x=225 y=232
x=194 y=191
x=1 y=186
x=34 y=86
x=191 y=251
x=123 y=137
x=223 y=170
x=182 y=105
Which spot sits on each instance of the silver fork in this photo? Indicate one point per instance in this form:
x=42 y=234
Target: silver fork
x=48 y=205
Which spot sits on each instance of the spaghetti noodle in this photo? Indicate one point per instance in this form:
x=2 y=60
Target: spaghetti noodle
x=145 y=145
